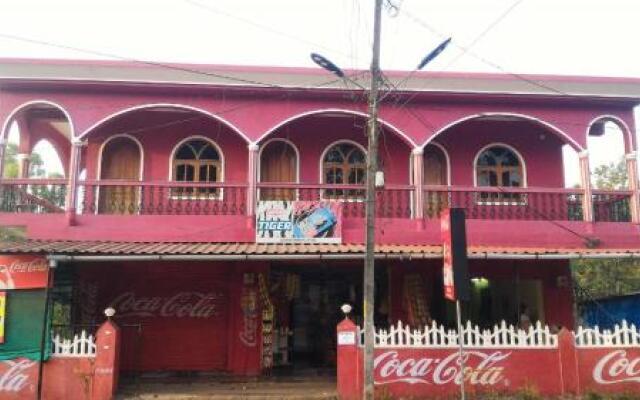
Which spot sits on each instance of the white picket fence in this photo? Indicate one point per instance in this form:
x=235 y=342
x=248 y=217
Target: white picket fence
x=82 y=345
x=437 y=336
x=622 y=335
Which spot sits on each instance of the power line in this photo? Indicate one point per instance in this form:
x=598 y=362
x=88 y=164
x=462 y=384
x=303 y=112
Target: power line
x=211 y=9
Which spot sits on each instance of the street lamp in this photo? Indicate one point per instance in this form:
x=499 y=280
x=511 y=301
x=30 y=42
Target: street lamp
x=373 y=181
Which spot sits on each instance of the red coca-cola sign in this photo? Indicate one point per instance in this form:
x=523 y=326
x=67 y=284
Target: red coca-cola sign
x=481 y=368
x=17 y=377
x=23 y=272
x=617 y=367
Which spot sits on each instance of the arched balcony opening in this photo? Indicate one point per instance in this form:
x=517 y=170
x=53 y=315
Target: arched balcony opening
x=330 y=149
x=503 y=167
x=165 y=159
x=35 y=158
x=609 y=175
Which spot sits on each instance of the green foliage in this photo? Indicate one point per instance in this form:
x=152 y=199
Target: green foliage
x=607 y=277
x=11 y=168
x=611 y=176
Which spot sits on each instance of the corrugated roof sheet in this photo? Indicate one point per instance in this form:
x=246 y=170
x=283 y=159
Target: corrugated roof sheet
x=275 y=249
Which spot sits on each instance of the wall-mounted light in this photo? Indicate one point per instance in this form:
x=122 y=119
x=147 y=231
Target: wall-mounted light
x=379 y=179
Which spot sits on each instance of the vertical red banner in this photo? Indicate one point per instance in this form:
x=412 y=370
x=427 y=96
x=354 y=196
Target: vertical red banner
x=447 y=267
x=3 y=313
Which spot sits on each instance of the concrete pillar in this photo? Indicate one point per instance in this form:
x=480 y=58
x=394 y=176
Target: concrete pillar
x=632 y=175
x=568 y=362
x=72 y=185
x=107 y=363
x=417 y=160
x=585 y=180
x=349 y=371
x=252 y=179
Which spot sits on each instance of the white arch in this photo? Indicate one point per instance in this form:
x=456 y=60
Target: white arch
x=621 y=124
x=446 y=157
x=7 y=122
x=397 y=131
x=500 y=144
x=196 y=137
x=553 y=128
x=326 y=149
x=287 y=141
x=165 y=105
x=121 y=135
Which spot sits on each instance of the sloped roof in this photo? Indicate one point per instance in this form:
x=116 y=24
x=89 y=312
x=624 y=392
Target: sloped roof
x=201 y=75
x=233 y=250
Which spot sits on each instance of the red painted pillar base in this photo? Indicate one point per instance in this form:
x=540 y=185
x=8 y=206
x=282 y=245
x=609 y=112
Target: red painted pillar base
x=348 y=370
x=107 y=366
x=568 y=362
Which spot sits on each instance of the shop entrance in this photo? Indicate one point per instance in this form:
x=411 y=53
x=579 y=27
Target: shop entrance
x=307 y=300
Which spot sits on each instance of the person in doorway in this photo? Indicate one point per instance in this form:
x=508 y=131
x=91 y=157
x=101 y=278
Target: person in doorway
x=525 y=317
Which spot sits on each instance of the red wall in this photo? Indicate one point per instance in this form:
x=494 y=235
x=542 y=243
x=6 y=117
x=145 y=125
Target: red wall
x=543 y=158
x=313 y=134
x=175 y=316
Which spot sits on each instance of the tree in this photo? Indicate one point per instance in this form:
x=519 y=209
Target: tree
x=12 y=169
x=612 y=176
x=608 y=277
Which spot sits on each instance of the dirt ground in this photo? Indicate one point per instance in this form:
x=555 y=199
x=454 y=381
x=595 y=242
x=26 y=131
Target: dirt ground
x=290 y=388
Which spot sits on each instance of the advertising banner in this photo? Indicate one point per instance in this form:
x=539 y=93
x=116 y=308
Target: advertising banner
x=23 y=272
x=299 y=221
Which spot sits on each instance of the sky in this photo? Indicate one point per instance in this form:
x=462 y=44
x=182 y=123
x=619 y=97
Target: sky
x=574 y=37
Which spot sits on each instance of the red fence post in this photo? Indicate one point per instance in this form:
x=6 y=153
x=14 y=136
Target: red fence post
x=106 y=369
x=568 y=358
x=348 y=375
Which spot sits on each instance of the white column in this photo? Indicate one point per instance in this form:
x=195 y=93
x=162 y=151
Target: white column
x=417 y=161
x=252 y=179
x=72 y=185
x=585 y=179
x=632 y=175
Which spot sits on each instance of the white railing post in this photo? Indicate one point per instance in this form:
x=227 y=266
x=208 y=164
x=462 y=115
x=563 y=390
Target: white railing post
x=82 y=345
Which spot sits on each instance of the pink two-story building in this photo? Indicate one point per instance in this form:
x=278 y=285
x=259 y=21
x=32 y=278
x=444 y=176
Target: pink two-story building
x=165 y=169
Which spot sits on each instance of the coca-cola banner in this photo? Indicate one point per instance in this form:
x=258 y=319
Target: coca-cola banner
x=23 y=272
x=609 y=369
x=411 y=372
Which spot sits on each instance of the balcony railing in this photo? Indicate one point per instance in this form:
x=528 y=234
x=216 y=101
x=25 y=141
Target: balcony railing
x=37 y=196
x=506 y=203
x=611 y=206
x=161 y=198
x=394 y=201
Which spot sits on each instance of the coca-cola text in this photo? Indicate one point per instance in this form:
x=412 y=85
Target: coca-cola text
x=179 y=305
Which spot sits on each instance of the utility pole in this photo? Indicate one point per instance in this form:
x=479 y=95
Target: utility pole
x=372 y=168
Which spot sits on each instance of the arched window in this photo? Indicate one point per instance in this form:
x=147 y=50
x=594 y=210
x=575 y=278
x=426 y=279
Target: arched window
x=499 y=166
x=344 y=163
x=198 y=161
